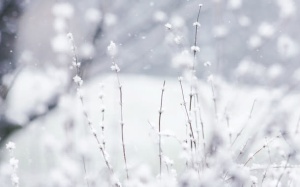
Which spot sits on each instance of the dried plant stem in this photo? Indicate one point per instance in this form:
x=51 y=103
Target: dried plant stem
x=270 y=162
x=187 y=114
x=102 y=119
x=193 y=70
x=264 y=175
x=76 y=64
x=238 y=156
x=243 y=128
x=85 y=172
x=297 y=126
x=228 y=125
x=196 y=121
x=259 y=150
x=214 y=99
x=243 y=150
x=202 y=127
x=159 y=128
x=285 y=167
x=196 y=35
x=122 y=119
x=100 y=145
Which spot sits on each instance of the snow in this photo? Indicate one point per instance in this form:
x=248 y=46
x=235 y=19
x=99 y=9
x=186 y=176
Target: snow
x=287 y=47
x=287 y=8
x=112 y=49
x=220 y=31
x=93 y=15
x=266 y=30
x=10 y=146
x=177 y=21
x=254 y=42
x=235 y=4
x=195 y=49
x=196 y=24
x=87 y=50
x=60 y=44
x=182 y=59
x=141 y=100
x=110 y=19
x=60 y=25
x=160 y=16
x=244 y=45
x=244 y=21
x=168 y=26
x=77 y=80
x=63 y=10
x=33 y=92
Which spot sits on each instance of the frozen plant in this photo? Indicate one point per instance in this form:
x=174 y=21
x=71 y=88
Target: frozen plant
x=14 y=163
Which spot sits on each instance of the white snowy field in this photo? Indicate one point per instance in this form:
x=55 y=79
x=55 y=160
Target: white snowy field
x=54 y=149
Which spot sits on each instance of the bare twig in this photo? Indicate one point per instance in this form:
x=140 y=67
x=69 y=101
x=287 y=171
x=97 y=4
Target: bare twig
x=112 y=50
x=102 y=115
x=297 y=126
x=194 y=49
x=270 y=161
x=228 y=125
x=122 y=122
x=196 y=24
x=159 y=127
x=214 y=99
x=85 y=172
x=187 y=113
x=243 y=128
x=202 y=128
x=285 y=167
x=93 y=131
x=78 y=81
x=259 y=150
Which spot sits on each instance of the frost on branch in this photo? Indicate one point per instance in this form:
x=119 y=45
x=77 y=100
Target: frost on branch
x=168 y=26
x=78 y=80
x=195 y=49
x=115 y=68
x=196 y=24
x=112 y=49
x=10 y=146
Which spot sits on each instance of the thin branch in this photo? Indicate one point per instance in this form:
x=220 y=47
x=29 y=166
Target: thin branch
x=228 y=125
x=116 y=69
x=270 y=161
x=159 y=127
x=187 y=113
x=196 y=24
x=78 y=81
x=195 y=49
x=102 y=115
x=285 y=167
x=247 y=122
x=202 y=127
x=297 y=126
x=214 y=99
x=259 y=150
x=85 y=172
